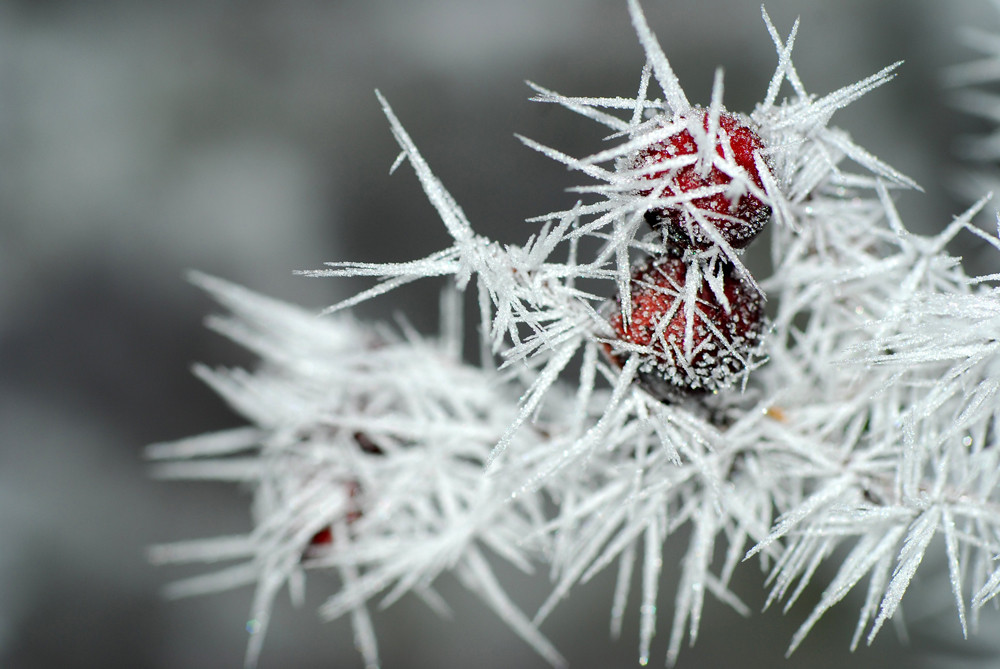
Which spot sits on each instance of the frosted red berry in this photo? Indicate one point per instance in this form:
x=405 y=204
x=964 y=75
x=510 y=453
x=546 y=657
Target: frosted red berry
x=324 y=537
x=735 y=213
x=722 y=336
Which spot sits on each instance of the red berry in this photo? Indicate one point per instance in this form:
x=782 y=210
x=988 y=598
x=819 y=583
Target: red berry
x=722 y=337
x=324 y=537
x=735 y=213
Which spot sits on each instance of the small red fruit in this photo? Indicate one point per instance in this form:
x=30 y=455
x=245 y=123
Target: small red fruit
x=722 y=336
x=324 y=538
x=735 y=213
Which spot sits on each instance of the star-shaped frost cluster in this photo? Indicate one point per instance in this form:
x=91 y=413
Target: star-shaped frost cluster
x=863 y=426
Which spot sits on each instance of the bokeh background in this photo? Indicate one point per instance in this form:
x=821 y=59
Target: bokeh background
x=141 y=139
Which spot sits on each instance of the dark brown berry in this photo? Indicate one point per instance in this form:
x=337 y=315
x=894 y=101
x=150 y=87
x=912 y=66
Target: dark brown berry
x=722 y=335
x=735 y=213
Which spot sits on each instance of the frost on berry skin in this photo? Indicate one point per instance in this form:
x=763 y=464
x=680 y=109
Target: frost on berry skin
x=735 y=213
x=688 y=348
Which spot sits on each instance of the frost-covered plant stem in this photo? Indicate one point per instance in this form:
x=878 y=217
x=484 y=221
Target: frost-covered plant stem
x=866 y=422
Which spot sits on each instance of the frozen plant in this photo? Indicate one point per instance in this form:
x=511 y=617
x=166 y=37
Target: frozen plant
x=628 y=385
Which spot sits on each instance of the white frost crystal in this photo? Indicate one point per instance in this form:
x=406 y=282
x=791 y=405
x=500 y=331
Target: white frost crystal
x=871 y=427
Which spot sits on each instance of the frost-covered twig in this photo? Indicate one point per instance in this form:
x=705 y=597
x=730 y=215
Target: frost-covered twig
x=595 y=427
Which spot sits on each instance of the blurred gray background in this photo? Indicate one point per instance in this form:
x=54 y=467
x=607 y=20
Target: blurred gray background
x=142 y=139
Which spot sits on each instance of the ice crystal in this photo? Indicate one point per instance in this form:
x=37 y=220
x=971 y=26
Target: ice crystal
x=869 y=427
x=376 y=437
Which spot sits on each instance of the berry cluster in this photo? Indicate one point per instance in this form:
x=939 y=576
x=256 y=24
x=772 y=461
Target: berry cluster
x=694 y=319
